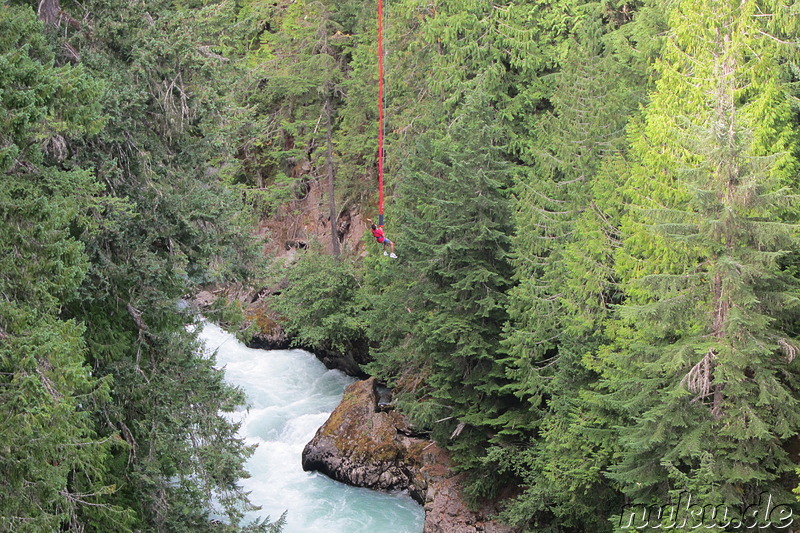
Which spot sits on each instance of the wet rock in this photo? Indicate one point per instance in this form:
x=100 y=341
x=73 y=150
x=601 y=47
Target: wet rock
x=366 y=444
x=361 y=446
x=269 y=334
x=277 y=340
x=349 y=362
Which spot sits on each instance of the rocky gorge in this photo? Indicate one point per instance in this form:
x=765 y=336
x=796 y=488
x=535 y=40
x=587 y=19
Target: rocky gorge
x=366 y=443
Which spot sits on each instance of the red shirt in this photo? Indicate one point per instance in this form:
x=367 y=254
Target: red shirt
x=378 y=234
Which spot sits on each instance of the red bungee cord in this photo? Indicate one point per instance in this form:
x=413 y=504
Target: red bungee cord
x=380 y=113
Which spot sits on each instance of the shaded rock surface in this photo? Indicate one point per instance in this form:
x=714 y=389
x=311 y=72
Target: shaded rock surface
x=305 y=221
x=269 y=334
x=365 y=446
x=349 y=362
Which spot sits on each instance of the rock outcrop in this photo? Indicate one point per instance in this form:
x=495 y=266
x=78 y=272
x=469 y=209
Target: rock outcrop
x=447 y=512
x=269 y=334
x=362 y=446
x=366 y=444
x=348 y=362
x=304 y=222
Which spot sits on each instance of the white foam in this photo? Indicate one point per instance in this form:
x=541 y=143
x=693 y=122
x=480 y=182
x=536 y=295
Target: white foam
x=291 y=394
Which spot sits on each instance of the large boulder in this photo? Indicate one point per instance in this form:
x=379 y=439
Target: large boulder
x=366 y=447
x=366 y=444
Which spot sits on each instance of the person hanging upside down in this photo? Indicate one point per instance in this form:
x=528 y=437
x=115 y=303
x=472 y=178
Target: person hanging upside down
x=377 y=232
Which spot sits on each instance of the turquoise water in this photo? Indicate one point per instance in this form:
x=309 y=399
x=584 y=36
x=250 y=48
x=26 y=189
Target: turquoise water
x=291 y=394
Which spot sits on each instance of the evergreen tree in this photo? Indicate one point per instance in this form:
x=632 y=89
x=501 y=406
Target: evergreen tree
x=321 y=308
x=303 y=68
x=52 y=473
x=700 y=366
x=447 y=291
x=160 y=223
x=563 y=258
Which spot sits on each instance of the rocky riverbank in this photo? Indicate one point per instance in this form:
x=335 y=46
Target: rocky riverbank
x=366 y=444
x=267 y=332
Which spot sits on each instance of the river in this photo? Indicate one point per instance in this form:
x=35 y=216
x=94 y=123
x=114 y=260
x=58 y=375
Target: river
x=290 y=394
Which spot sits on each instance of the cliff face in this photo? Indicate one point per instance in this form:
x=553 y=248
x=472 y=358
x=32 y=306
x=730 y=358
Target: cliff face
x=363 y=445
x=305 y=222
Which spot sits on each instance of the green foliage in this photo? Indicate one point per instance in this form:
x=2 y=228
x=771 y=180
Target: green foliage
x=447 y=290
x=52 y=460
x=42 y=103
x=113 y=419
x=228 y=314
x=593 y=203
x=700 y=361
x=566 y=291
x=321 y=307
x=303 y=51
x=554 y=357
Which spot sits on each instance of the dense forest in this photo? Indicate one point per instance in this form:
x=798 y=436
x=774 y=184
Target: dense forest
x=113 y=149
x=597 y=297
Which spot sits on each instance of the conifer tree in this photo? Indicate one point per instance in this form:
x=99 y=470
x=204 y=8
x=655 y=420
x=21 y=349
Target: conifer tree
x=162 y=222
x=321 y=309
x=701 y=363
x=52 y=471
x=567 y=230
x=305 y=58
x=448 y=288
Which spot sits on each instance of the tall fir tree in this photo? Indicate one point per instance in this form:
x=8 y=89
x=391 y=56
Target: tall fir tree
x=159 y=223
x=52 y=461
x=447 y=290
x=567 y=231
x=305 y=53
x=702 y=359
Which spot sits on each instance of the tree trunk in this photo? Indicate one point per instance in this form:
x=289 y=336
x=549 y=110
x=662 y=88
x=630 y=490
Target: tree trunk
x=331 y=175
x=49 y=11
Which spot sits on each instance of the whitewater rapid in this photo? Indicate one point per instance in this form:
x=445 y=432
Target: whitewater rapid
x=290 y=395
